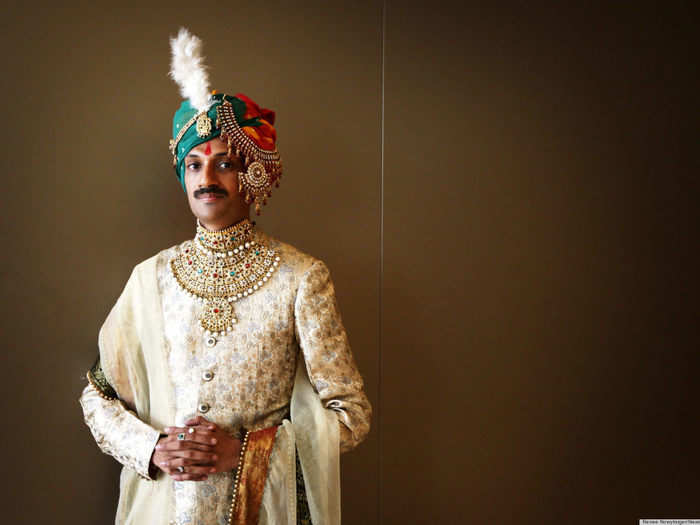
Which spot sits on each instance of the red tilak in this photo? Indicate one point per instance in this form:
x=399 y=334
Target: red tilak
x=207 y=150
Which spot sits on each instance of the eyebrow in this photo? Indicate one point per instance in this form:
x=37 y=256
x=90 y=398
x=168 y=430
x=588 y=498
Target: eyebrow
x=221 y=154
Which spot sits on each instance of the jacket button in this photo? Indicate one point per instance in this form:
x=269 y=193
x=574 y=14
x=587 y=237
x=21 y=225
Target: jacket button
x=208 y=375
x=203 y=408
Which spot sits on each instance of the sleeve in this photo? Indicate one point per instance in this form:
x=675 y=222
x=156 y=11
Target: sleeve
x=329 y=360
x=117 y=430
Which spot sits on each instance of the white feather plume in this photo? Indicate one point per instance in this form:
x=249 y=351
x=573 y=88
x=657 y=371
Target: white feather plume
x=188 y=70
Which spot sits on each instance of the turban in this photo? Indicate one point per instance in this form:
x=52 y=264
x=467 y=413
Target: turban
x=246 y=128
x=251 y=136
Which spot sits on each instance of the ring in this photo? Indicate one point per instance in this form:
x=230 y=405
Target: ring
x=181 y=469
x=181 y=436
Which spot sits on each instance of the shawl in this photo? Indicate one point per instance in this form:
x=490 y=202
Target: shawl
x=133 y=353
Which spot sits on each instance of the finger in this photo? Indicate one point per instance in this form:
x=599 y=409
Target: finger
x=159 y=457
x=199 y=420
x=190 y=466
x=173 y=468
x=172 y=463
x=202 y=436
x=190 y=457
x=189 y=430
x=170 y=445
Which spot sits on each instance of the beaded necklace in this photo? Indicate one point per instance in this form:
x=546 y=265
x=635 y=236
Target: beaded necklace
x=220 y=267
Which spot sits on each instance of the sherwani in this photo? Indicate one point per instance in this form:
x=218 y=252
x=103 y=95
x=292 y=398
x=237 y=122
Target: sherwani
x=159 y=363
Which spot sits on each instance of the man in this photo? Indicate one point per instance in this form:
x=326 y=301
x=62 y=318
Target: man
x=225 y=383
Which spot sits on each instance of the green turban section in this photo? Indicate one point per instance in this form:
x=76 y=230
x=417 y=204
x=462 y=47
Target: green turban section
x=191 y=139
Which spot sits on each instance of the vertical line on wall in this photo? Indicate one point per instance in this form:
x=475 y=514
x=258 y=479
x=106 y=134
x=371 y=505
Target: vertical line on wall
x=381 y=262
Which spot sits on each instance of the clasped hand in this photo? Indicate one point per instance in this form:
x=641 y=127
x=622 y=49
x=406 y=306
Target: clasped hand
x=206 y=449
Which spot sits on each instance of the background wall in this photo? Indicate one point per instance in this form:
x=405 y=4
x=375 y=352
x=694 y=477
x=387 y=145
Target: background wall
x=511 y=196
x=539 y=298
x=89 y=191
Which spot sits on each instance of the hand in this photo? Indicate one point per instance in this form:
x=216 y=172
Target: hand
x=195 y=453
x=226 y=448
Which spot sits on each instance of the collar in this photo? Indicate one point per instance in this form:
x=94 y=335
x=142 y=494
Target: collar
x=229 y=240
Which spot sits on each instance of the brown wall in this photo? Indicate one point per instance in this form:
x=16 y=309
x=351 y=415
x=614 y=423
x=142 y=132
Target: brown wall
x=511 y=195
x=89 y=191
x=539 y=298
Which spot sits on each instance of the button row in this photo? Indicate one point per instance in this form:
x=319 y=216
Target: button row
x=207 y=375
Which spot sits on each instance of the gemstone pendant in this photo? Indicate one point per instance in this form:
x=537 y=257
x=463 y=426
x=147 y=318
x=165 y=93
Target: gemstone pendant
x=217 y=316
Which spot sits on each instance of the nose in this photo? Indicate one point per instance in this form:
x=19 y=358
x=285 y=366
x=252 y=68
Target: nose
x=209 y=176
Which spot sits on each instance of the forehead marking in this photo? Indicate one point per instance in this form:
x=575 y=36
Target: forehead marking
x=207 y=150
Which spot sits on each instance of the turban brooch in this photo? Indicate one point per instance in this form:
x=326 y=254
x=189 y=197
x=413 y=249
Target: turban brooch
x=245 y=127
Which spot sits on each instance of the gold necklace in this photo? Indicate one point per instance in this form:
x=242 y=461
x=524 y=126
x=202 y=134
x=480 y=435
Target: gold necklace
x=220 y=267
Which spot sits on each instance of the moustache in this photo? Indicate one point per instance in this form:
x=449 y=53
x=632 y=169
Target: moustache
x=210 y=189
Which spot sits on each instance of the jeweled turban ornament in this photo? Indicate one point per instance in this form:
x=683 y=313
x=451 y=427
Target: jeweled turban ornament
x=246 y=128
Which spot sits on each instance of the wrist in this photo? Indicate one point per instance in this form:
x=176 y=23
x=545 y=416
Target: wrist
x=152 y=467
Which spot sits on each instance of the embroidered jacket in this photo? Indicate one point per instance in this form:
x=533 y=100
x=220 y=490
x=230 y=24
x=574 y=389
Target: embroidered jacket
x=244 y=380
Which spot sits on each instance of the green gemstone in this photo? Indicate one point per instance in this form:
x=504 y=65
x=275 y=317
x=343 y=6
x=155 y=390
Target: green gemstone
x=232 y=273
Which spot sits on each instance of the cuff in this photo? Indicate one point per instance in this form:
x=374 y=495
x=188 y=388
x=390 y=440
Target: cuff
x=119 y=432
x=143 y=465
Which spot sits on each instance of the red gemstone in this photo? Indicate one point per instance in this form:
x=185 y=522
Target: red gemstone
x=187 y=250
x=216 y=242
x=189 y=262
x=216 y=310
x=216 y=275
x=247 y=265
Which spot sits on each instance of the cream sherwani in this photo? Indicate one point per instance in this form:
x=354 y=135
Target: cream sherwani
x=288 y=353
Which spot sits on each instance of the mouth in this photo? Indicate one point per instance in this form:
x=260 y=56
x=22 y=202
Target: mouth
x=210 y=197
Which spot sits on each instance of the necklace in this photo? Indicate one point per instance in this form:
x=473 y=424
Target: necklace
x=220 y=267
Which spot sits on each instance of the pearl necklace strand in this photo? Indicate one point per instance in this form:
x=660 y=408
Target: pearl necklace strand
x=216 y=272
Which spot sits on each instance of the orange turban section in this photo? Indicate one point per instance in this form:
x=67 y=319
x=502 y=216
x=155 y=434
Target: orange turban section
x=264 y=134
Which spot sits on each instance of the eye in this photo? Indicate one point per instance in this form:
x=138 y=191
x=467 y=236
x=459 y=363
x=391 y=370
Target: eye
x=225 y=165
x=193 y=166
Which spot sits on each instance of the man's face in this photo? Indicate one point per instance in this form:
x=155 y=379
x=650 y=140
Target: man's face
x=211 y=182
